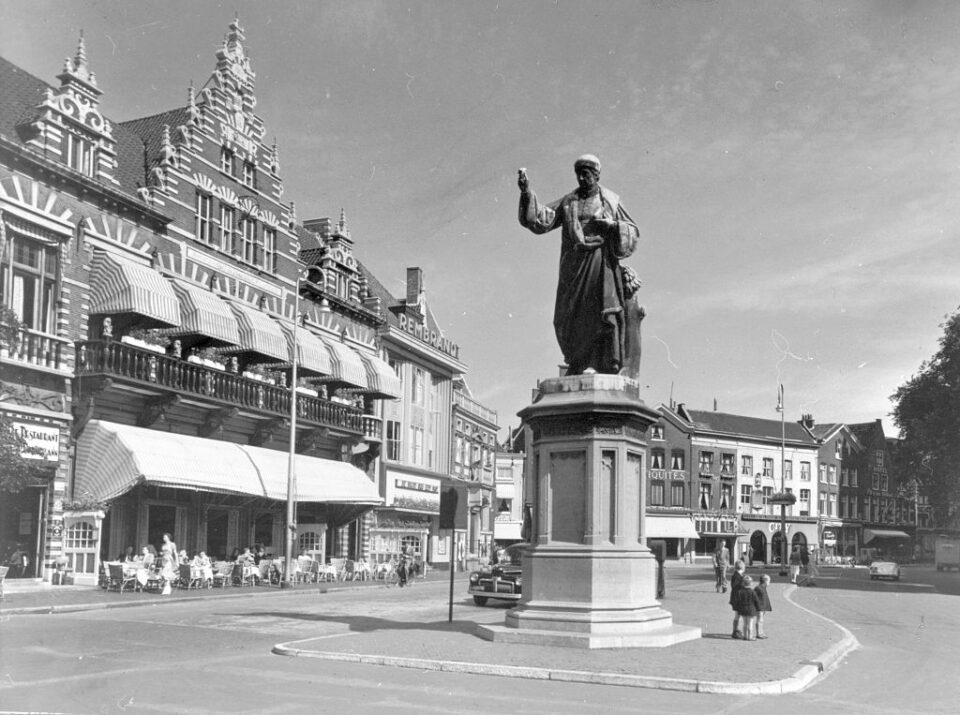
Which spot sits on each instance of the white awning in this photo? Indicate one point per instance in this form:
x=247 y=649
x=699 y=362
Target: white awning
x=871 y=534
x=669 y=527
x=505 y=490
x=113 y=458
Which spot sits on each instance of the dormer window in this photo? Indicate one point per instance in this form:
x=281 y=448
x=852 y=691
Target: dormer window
x=79 y=154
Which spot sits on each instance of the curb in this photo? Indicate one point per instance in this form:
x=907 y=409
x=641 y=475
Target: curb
x=801 y=679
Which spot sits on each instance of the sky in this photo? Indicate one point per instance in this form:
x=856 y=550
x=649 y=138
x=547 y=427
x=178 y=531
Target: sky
x=793 y=168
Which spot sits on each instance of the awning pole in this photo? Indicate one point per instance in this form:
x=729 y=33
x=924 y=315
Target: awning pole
x=291 y=457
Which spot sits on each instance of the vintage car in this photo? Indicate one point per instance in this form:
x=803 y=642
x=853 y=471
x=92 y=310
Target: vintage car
x=884 y=569
x=500 y=580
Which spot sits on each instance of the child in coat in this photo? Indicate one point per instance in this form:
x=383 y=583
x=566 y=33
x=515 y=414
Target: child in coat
x=745 y=603
x=763 y=604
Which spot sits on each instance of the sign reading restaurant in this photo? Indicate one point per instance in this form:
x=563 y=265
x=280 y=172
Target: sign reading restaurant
x=41 y=442
x=430 y=337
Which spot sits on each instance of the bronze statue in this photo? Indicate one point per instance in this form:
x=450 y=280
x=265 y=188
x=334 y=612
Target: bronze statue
x=596 y=316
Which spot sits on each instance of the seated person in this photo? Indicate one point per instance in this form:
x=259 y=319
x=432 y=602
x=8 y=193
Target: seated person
x=246 y=558
x=147 y=558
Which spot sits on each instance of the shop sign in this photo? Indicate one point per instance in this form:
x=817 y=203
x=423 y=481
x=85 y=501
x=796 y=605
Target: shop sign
x=430 y=337
x=774 y=526
x=42 y=441
x=406 y=491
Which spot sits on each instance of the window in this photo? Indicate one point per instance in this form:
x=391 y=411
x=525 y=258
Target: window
x=309 y=541
x=832 y=505
x=226 y=161
x=767 y=507
x=705 y=495
x=726 y=496
x=226 y=227
x=656 y=432
x=656 y=493
x=878 y=457
x=832 y=473
x=416 y=445
x=676 y=461
x=746 y=493
x=822 y=502
x=822 y=473
x=706 y=462
x=657 y=459
x=393 y=440
x=248 y=239
x=727 y=462
x=788 y=469
x=79 y=154
x=768 y=466
x=204 y=217
x=249 y=175
x=838 y=449
x=746 y=465
x=676 y=494
x=805 y=471
x=844 y=477
x=853 y=478
x=28 y=282
x=80 y=547
x=804 y=502
x=270 y=250
x=417 y=386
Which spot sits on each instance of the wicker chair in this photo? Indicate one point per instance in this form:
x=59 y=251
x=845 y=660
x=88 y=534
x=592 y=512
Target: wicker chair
x=120 y=579
x=223 y=574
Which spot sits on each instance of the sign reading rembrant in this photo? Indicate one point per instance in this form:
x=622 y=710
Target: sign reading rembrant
x=42 y=442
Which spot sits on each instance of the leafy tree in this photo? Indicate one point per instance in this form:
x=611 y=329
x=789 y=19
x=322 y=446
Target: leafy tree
x=927 y=411
x=15 y=471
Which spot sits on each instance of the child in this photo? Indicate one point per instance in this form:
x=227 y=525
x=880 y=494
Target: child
x=736 y=581
x=745 y=604
x=763 y=604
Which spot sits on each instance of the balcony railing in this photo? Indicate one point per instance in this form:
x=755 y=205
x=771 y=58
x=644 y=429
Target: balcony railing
x=136 y=364
x=37 y=349
x=372 y=428
x=474 y=407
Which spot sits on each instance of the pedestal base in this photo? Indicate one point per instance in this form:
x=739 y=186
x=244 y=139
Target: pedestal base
x=660 y=638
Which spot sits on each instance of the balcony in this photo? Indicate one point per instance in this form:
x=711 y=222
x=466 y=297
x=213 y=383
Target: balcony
x=135 y=365
x=372 y=428
x=474 y=407
x=40 y=350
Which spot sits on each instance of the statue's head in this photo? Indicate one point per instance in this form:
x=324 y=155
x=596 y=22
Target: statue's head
x=587 y=169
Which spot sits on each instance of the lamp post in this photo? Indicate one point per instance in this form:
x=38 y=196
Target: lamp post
x=783 y=490
x=291 y=457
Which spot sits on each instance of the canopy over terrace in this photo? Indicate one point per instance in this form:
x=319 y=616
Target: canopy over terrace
x=871 y=534
x=112 y=459
x=131 y=294
x=206 y=319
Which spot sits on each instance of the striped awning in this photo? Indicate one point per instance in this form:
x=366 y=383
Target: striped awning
x=259 y=333
x=312 y=354
x=382 y=381
x=113 y=458
x=347 y=366
x=203 y=313
x=119 y=286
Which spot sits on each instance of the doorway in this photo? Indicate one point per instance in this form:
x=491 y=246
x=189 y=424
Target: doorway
x=218 y=521
x=758 y=547
x=776 y=547
x=162 y=520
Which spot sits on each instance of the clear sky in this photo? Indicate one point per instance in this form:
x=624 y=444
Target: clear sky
x=793 y=167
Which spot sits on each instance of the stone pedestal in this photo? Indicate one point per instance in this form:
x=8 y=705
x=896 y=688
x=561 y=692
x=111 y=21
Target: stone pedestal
x=588 y=581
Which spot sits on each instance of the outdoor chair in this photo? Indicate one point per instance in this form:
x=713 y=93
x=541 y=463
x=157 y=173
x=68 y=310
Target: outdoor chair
x=189 y=577
x=223 y=574
x=336 y=568
x=304 y=569
x=119 y=579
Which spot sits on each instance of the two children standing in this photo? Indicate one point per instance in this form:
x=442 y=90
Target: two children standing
x=749 y=603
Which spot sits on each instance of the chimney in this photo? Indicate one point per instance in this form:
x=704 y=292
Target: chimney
x=414 y=287
x=807 y=421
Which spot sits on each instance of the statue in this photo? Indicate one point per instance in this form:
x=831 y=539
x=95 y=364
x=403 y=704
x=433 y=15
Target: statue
x=596 y=316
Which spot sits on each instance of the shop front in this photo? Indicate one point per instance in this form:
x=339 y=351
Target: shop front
x=764 y=537
x=408 y=518
x=677 y=531
x=210 y=495
x=712 y=528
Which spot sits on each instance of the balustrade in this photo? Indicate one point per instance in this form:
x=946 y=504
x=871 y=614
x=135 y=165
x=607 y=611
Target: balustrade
x=133 y=363
x=39 y=349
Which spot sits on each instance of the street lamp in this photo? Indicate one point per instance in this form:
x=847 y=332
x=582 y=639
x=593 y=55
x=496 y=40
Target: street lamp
x=781 y=408
x=291 y=457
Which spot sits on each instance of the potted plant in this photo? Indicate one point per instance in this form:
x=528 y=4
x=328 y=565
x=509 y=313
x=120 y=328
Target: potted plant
x=10 y=327
x=785 y=498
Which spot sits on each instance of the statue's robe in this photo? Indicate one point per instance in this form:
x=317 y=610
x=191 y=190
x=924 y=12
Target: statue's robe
x=597 y=324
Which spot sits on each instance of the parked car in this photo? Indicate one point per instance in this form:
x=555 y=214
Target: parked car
x=884 y=569
x=501 y=580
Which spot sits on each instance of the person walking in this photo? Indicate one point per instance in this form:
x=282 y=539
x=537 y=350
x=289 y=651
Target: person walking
x=763 y=604
x=794 y=564
x=736 y=582
x=721 y=561
x=169 y=564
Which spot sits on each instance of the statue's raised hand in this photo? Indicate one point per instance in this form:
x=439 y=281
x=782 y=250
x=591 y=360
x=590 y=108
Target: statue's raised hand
x=522 y=180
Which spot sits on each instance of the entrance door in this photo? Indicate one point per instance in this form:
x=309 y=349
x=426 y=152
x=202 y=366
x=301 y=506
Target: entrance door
x=162 y=519
x=758 y=547
x=218 y=521
x=776 y=548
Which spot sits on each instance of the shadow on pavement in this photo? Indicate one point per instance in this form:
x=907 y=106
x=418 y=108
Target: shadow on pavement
x=368 y=624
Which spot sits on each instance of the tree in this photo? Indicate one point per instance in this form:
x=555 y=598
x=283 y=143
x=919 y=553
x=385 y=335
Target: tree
x=15 y=471
x=927 y=411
